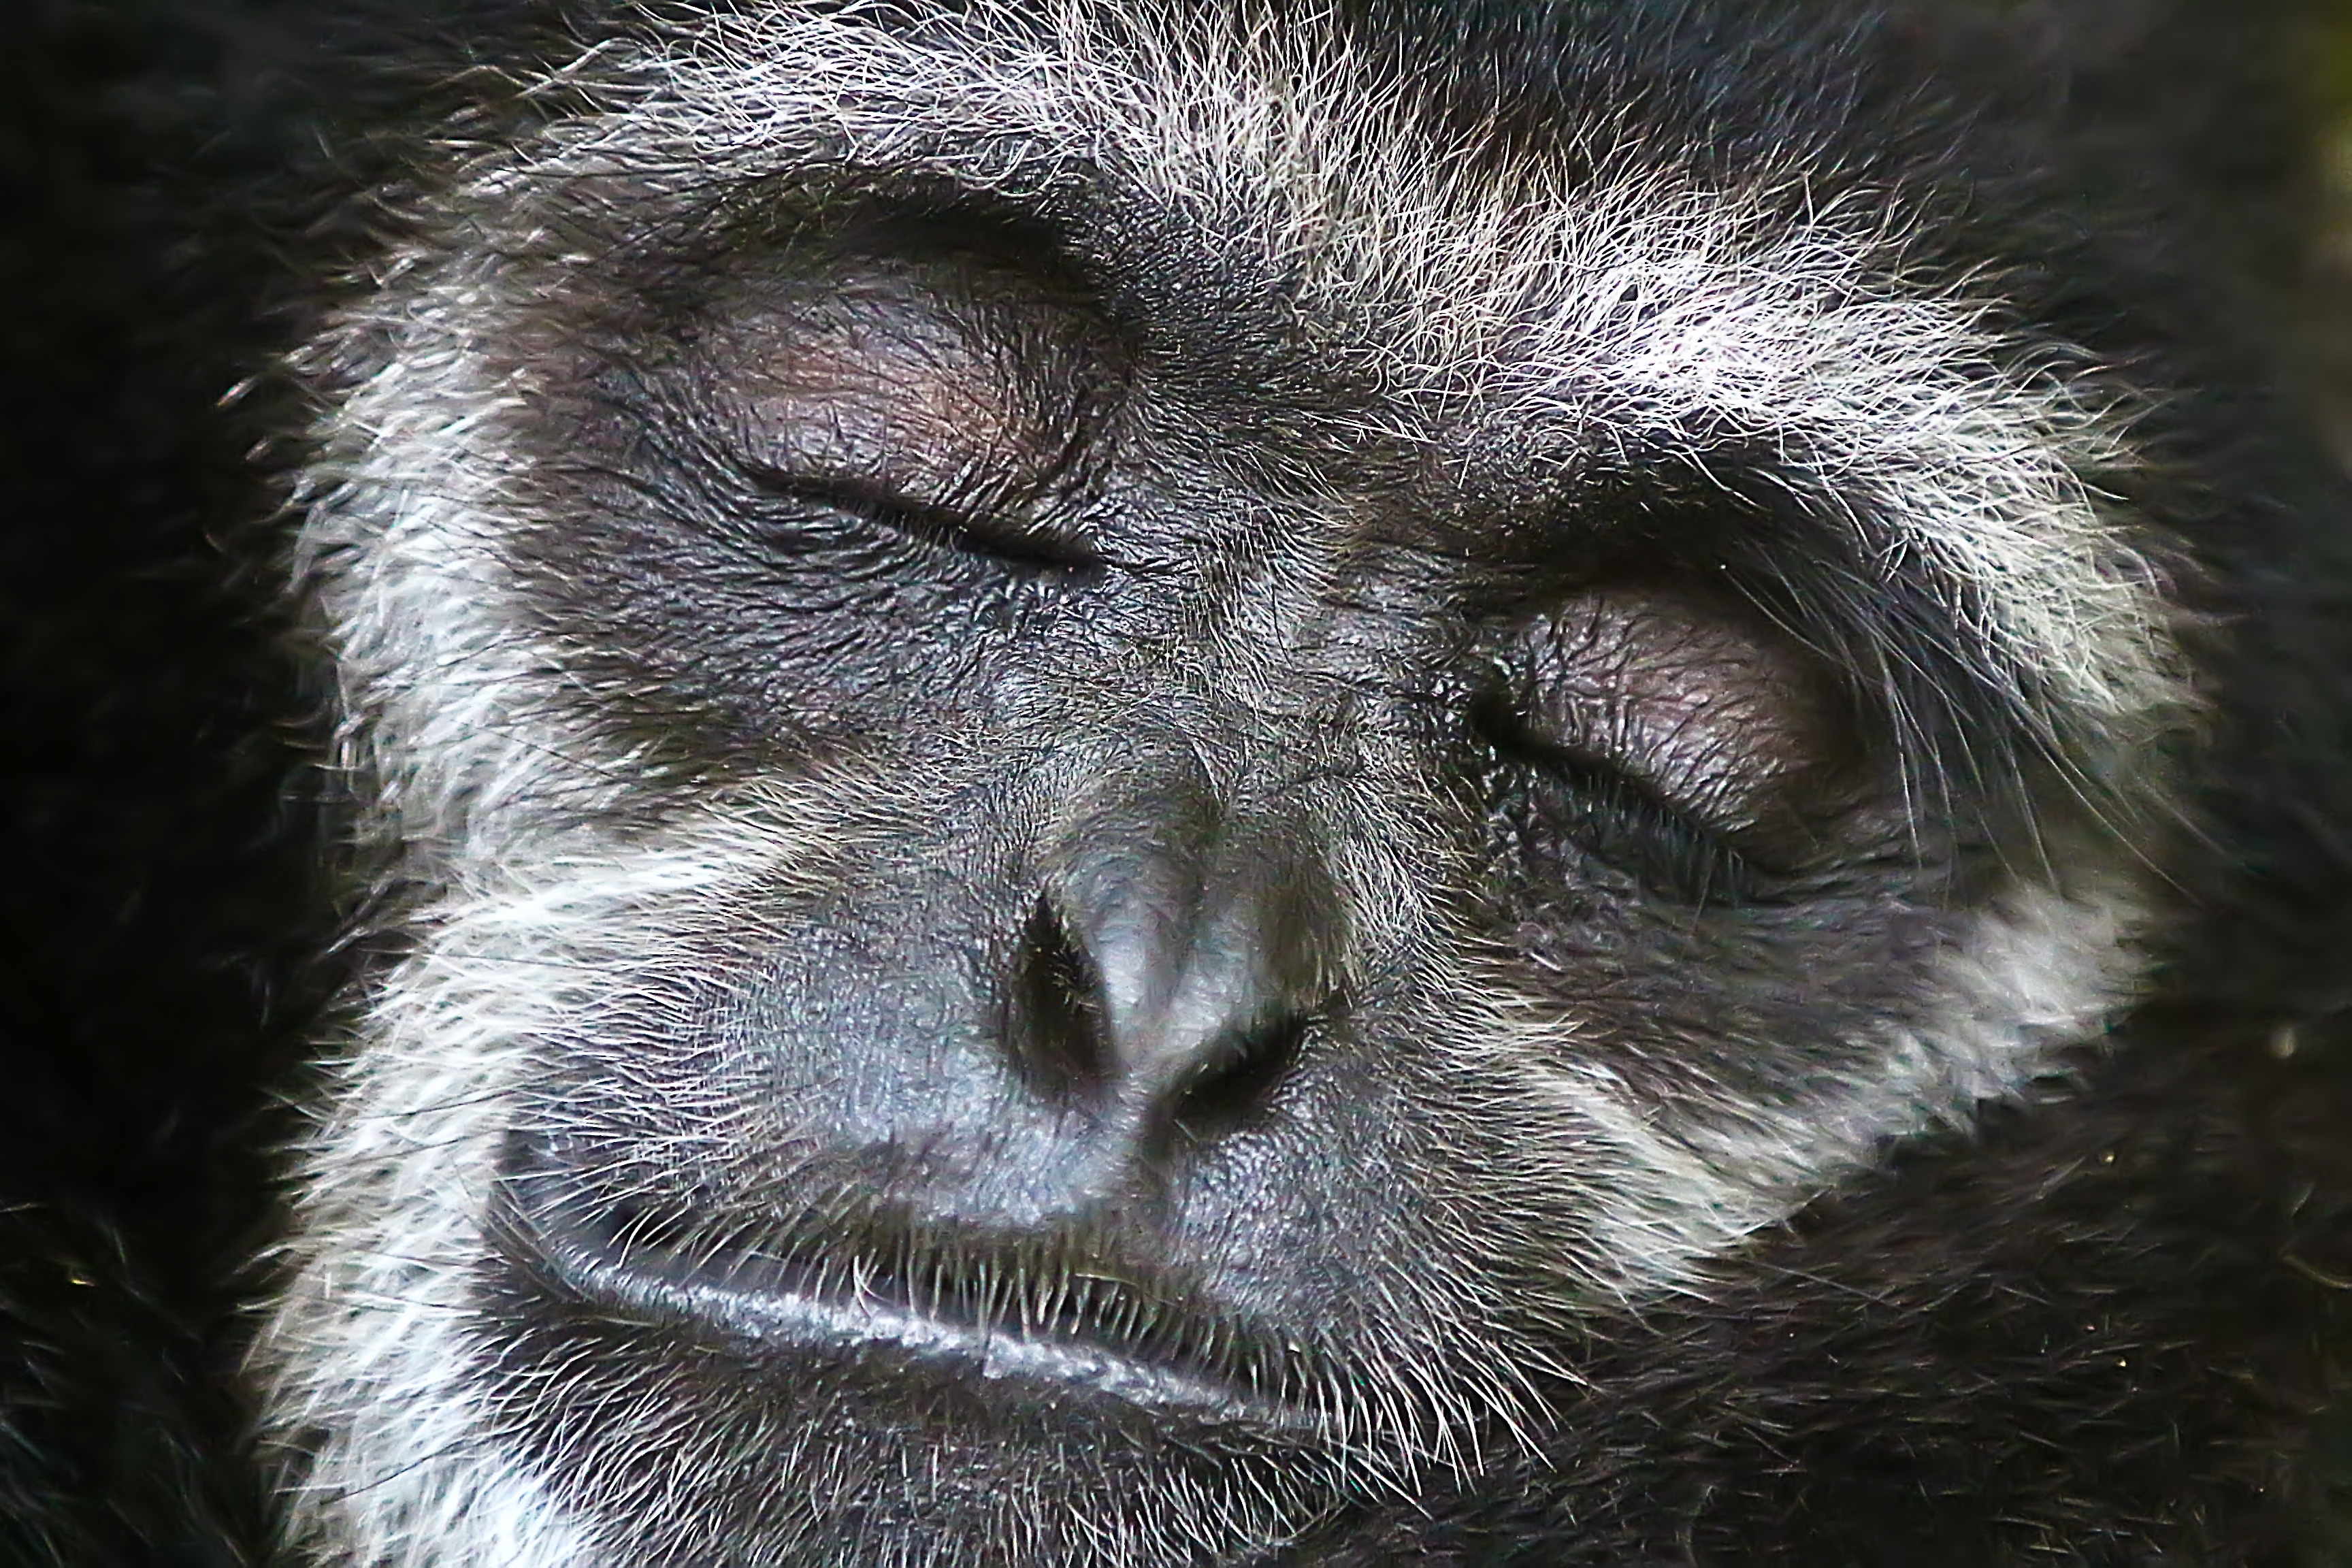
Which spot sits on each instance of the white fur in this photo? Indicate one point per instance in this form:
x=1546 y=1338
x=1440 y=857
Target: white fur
x=1686 y=1182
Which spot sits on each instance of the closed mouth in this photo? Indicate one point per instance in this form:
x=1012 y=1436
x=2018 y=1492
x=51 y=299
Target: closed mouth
x=1059 y=1312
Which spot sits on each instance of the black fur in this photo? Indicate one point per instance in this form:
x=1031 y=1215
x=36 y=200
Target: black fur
x=2100 y=1332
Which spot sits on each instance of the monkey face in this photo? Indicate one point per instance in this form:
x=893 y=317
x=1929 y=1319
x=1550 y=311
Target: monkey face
x=1095 y=855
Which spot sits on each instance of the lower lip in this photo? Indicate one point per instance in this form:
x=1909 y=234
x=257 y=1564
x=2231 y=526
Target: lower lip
x=776 y=1314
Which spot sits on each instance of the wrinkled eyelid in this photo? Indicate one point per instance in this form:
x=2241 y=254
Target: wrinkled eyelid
x=968 y=527
x=1626 y=823
x=1584 y=756
x=1697 y=766
x=1641 y=674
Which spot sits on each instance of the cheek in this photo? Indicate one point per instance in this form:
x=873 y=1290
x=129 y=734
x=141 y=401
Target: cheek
x=1762 y=1004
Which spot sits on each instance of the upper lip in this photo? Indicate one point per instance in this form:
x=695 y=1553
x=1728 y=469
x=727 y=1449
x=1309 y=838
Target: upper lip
x=1063 y=1309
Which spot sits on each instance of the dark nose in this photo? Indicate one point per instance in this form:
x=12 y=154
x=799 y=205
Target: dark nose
x=1171 y=967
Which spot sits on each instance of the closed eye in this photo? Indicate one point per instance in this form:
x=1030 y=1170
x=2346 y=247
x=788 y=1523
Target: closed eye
x=968 y=532
x=1555 y=796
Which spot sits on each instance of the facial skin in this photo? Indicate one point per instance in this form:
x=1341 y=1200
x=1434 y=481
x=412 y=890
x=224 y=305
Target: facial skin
x=1073 y=909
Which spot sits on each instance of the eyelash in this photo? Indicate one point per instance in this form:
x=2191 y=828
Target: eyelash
x=941 y=527
x=1549 y=793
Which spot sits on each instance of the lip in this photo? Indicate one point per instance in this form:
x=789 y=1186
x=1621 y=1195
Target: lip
x=1118 y=1334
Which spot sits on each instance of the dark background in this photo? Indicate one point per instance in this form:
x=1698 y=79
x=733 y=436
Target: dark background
x=160 y=181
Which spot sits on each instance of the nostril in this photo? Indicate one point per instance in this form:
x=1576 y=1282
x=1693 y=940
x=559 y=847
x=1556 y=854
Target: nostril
x=1238 y=1079
x=1057 y=1027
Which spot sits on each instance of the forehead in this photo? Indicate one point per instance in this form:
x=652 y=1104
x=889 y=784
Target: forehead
x=1272 y=161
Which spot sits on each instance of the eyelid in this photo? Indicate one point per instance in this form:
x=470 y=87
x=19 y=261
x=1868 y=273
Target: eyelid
x=974 y=529
x=1508 y=726
x=1628 y=823
x=1709 y=716
x=1643 y=761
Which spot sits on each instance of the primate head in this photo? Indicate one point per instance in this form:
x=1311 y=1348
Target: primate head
x=1131 y=764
